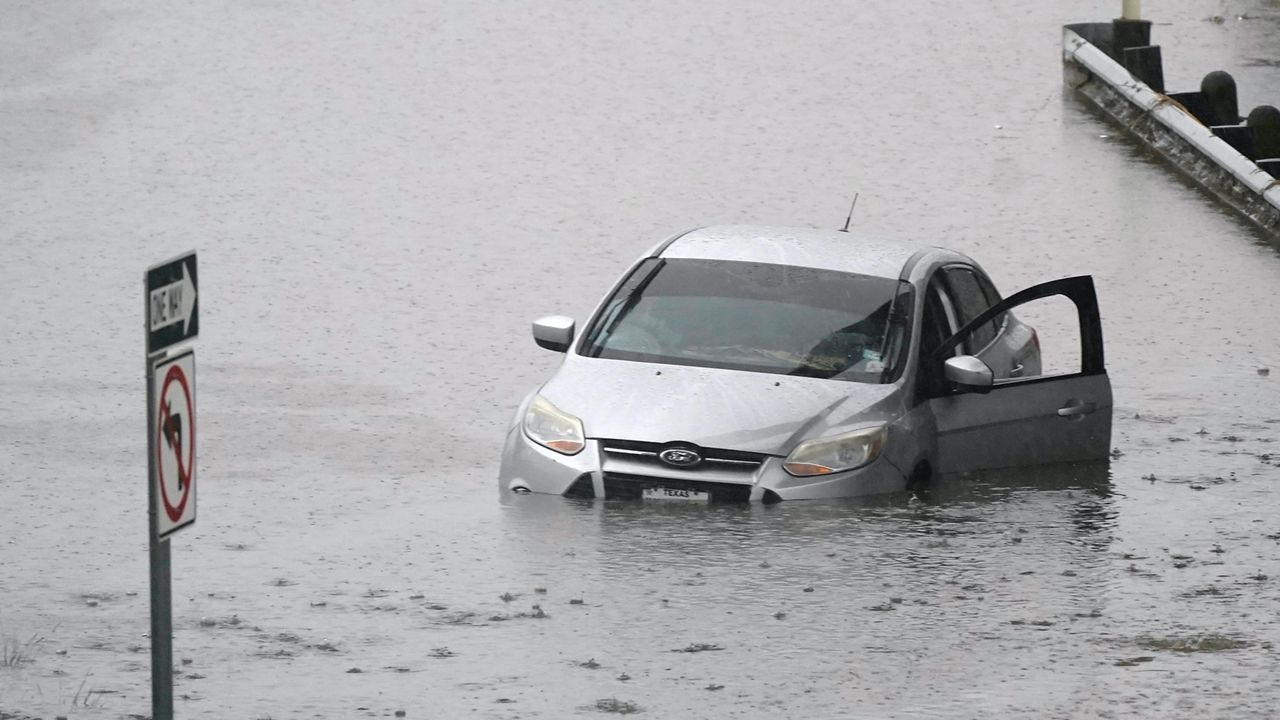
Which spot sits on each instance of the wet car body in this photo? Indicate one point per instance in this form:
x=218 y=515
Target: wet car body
x=910 y=364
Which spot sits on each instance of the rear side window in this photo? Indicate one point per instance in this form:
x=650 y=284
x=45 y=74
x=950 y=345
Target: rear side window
x=971 y=300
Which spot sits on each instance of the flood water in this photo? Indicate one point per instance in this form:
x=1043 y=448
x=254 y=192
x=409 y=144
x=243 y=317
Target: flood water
x=384 y=194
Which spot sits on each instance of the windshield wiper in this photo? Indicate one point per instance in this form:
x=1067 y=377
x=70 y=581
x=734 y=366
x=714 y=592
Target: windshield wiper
x=633 y=297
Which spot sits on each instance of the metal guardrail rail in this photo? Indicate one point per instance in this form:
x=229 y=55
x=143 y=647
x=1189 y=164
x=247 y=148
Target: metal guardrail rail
x=1168 y=126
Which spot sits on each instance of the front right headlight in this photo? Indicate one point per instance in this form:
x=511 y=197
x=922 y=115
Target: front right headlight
x=835 y=454
x=553 y=428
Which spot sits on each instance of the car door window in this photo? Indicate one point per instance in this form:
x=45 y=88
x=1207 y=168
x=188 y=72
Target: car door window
x=970 y=301
x=993 y=297
x=1075 y=325
x=934 y=328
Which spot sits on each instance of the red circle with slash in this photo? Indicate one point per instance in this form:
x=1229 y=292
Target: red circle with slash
x=169 y=439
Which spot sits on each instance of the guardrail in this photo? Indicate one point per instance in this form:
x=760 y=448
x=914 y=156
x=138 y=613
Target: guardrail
x=1115 y=66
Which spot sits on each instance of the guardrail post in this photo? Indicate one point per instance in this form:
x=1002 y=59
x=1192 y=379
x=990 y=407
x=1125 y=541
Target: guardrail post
x=1264 y=121
x=1146 y=64
x=1218 y=99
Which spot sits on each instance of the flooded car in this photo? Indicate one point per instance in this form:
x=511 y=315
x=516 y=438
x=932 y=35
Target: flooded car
x=739 y=363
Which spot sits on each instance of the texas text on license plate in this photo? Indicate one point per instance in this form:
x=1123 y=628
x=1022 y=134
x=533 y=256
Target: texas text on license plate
x=665 y=493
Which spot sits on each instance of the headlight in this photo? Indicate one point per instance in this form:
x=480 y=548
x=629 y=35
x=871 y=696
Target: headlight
x=833 y=454
x=551 y=427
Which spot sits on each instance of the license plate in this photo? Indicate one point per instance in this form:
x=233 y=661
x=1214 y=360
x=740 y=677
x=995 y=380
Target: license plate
x=663 y=493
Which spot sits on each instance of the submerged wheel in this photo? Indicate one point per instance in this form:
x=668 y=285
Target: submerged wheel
x=920 y=476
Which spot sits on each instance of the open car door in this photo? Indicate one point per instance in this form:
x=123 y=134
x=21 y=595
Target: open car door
x=1048 y=417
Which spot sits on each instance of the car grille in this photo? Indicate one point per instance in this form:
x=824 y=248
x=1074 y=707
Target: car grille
x=630 y=487
x=630 y=466
x=714 y=461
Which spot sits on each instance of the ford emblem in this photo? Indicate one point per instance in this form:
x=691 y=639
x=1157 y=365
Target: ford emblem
x=680 y=456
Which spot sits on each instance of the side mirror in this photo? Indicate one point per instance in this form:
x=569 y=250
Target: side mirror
x=969 y=374
x=553 y=332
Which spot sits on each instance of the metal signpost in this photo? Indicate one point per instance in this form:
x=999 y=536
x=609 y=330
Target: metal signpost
x=172 y=318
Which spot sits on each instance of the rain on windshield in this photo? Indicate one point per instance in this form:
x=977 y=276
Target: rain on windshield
x=758 y=317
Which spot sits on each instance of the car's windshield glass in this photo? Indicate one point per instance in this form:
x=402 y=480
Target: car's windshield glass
x=755 y=316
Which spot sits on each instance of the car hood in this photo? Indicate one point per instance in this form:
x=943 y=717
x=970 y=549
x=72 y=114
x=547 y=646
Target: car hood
x=711 y=407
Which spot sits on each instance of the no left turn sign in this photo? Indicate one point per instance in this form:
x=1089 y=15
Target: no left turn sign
x=173 y=438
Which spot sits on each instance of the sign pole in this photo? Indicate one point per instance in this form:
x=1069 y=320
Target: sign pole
x=172 y=317
x=161 y=595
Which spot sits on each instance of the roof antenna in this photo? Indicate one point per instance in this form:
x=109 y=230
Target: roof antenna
x=852 y=205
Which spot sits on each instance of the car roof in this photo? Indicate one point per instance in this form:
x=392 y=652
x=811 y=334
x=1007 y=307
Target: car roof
x=804 y=247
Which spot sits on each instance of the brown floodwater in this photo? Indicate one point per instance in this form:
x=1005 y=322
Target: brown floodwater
x=383 y=195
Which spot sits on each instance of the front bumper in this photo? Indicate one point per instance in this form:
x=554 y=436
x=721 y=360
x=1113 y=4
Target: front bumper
x=622 y=469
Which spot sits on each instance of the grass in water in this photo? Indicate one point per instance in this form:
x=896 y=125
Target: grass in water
x=14 y=652
x=614 y=705
x=1199 y=643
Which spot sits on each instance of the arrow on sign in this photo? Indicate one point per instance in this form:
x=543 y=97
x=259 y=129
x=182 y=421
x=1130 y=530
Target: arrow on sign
x=173 y=303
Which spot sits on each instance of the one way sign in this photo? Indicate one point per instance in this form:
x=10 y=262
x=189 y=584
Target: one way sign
x=173 y=303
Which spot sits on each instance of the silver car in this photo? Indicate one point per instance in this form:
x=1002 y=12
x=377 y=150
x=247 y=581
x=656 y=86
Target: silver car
x=765 y=364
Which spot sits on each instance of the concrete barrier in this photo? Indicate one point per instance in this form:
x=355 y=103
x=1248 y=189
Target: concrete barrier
x=1116 y=68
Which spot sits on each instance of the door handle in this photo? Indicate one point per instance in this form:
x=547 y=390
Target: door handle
x=1075 y=409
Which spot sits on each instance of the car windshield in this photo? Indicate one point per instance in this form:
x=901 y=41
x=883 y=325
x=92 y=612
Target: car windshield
x=759 y=317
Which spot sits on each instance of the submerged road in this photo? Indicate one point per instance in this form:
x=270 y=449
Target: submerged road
x=383 y=196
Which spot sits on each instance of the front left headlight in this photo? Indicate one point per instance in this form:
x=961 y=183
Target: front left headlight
x=553 y=428
x=835 y=454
